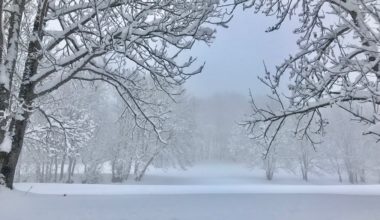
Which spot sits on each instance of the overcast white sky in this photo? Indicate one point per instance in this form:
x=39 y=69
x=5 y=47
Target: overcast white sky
x=235 y=59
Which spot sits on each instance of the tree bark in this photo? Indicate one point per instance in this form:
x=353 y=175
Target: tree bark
x=55 y=169
x=42 y=180
x=142 y=173
x=128 y=170
x=18 y=125
x=339 y=175
x=113 y=170
x=304 y=171
x=7 y=70
x=1 y=32
x=10 y=162
x=362 y=176
x=38 y=172
x=73 y=166
x=69 y=168
x=62 y=173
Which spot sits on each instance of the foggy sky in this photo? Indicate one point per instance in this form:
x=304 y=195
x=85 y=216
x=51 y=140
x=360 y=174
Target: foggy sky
x=235 y=58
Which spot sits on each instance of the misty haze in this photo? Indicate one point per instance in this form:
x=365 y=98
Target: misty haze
x=189 y=110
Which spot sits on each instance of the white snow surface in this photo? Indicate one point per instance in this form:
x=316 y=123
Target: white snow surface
x=98 y=189
x=213 y=178
x=221 y=192
x=26 y=206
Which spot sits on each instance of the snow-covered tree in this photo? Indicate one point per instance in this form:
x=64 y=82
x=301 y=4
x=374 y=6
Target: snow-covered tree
x=117 y=42
x=305 y=156
x=179 y=149
x=241 y=146
x=347 y=151
x=337 y=63
x=59 y=129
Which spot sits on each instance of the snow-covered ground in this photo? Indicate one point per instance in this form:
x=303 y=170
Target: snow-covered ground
x=98 y=189
x=220 y=192
x=21 y=206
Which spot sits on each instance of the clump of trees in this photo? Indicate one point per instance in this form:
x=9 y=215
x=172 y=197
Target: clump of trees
x=110 y=147
x=136 y=48
x=102 y=140
x=341 y=150
x=337 y=65
x=119 y=149
x=132 y=46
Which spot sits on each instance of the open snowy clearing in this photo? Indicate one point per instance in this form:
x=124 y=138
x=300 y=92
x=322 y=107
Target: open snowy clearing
x=207 y=178
x=26 y=206
x=98 y=189
x=205 y=192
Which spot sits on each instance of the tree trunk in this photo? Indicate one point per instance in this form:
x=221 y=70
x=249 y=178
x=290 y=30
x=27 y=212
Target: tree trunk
x=38 y=172
x=2 y=158
x=55 y=168
x=62 y=173
x=113 y=171
x=18 y=126
x=269 y=169
x=1 y=32
x=362 y=176
x=73 y=166
x=269 y=174
x=43 y=173
x=142 y=173
x=50 y=173
x=7 y=70
x=136 y=168
x=305 y=176
x=128 y=170
x=352 y=177
x=10 y=162
x=340 y=175
x=69 y=170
